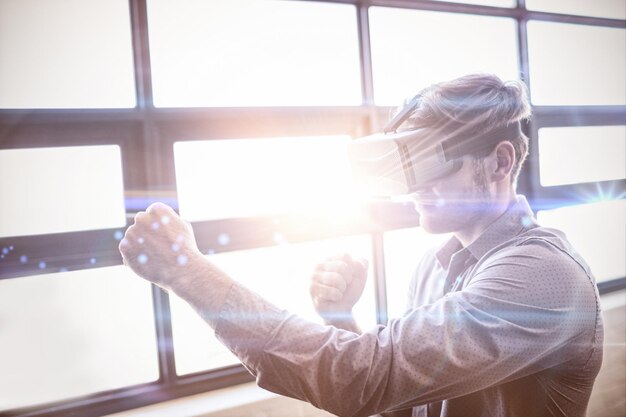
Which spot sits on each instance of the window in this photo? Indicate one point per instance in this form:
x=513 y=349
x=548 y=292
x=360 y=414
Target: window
x=587 y=224
x=244 y=111
x=576 y=64
x=251 y=53
x=412 y=49
x=66 y=54
x=282 y=275
x=220 y=179
x=63 y=189
x=74 y=333
x=569 y=155
x=404 y=248
x=614 y=9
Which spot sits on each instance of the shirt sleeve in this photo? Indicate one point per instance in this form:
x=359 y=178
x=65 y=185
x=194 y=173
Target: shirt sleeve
x=518 y=315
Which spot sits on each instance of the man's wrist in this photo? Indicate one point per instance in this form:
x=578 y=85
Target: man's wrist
x=205 y=287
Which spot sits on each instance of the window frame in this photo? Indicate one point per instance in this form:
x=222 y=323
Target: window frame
x=145 y=133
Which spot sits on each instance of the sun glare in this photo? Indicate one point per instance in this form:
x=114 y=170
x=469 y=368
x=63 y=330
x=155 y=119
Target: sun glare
x=220 y=179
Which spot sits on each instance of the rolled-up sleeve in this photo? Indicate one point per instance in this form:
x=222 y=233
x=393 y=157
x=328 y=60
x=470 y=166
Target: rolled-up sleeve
x=513 y=318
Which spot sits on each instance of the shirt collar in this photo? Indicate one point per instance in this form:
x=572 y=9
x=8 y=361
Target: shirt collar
x=518 y=216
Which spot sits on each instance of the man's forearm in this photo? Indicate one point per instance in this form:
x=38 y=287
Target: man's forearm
x=204 y=287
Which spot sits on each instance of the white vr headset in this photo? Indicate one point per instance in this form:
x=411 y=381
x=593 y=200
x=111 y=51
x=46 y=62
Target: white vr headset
x=400 y=162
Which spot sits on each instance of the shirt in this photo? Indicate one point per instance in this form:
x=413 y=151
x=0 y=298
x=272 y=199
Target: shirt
x=507 y=326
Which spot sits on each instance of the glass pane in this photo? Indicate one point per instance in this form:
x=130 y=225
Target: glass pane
x=569 y=155
x=576 y=64
x=74 y=333
x=404 y=248
x=597 y=232
x=253 y=53
x=615 y=9
x=253 y=177
x=412 y=49
x=66 y=54
x=281 y=274
x=42 y=193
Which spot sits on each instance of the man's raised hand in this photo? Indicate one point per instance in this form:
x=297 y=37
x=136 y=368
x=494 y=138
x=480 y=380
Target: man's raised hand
x=160 y=246
x=336 y=285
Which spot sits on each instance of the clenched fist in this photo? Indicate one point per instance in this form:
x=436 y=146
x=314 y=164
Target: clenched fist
x=336 y=285
x=161 y=247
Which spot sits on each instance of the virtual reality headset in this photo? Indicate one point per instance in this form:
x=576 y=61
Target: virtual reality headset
x=401 y=162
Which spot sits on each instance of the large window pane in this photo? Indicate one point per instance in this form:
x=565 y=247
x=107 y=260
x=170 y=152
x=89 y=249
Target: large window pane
x=576 y=64
x=615 y=9
x=412 y=49
x=404 y=249
x=597 y=232
x=282 y=275
x=74 y=333
x=569 y=155
x=252 y=177
x=253 y=53
x=66 y=54
x=64 y=189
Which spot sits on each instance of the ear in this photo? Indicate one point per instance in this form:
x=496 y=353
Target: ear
x=503 y=159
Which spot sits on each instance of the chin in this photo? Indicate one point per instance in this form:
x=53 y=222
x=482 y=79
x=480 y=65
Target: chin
x=434 y=226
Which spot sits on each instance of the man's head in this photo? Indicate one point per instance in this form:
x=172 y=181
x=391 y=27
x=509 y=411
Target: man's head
x=472 y=106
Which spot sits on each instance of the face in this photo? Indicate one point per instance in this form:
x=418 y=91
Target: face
x=456 y=202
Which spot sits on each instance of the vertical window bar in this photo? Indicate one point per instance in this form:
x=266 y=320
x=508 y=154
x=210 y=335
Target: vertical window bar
x=525 y=178
x=380 y=289
x=141 y=53
x=365 y=55
x=165 y=345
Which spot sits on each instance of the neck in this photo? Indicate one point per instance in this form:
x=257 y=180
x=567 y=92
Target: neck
x=492 y=212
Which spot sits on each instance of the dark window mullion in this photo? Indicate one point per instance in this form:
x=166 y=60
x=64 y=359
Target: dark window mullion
x=141 y=53
x=380 y=287
x=164 y=338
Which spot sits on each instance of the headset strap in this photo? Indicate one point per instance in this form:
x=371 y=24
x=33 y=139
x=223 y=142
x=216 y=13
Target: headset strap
x=457 y=146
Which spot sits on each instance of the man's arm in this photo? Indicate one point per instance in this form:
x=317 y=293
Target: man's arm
x=493 y=331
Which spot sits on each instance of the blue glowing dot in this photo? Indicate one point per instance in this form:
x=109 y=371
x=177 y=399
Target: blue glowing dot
x=5 y=251
x=142 y=258
x=2 y=256
x=118 y=235
x=210 y=252
x=175 y=247
x=526 y=221
x=92 y=261
x=63 y=269
x=440 y=202
x=11 y=247
x=23 y=259
x=165 y=219
x=155 y=225
x=182 y=260
x=223 y=239
x=140 y=241
x=42 y=265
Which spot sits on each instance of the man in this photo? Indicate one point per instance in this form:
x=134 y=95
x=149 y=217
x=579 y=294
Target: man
x=503 y=319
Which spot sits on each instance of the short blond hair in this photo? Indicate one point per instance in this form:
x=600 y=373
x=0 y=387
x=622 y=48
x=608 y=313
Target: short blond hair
x=475 y=104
